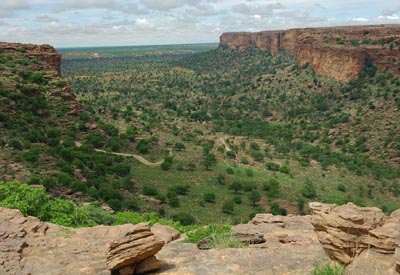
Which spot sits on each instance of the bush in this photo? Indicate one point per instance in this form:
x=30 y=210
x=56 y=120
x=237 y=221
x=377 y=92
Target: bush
x=180 y=189
x=237 y=199
x=275 y=209
x=308 y=190
x=236 y=186
x=231 y=154
x=184 y=218
x=209 y=197
x=228 y=207
x=272 y=187
x=272 y=166
x=341 y=187
x=149 y=190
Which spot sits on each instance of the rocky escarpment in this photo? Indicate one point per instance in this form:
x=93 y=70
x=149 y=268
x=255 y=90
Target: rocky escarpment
x=339 y=52
x=41 y=52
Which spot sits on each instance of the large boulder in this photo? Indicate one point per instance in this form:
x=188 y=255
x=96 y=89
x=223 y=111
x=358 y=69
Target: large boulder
x=361 y=236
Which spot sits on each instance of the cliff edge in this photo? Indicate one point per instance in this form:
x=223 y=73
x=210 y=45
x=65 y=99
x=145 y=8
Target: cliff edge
x=337 y=52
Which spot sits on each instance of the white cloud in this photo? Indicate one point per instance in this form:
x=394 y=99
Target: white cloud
x=8 y=7
x=133 y=22
x=90 y=4
x=360 y=19
x=45 y=18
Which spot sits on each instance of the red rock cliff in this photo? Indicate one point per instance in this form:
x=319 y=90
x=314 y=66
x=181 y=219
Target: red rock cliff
x=337 y=52
x=42 y=52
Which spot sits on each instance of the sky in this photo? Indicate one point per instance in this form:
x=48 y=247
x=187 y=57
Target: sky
x=82 y=23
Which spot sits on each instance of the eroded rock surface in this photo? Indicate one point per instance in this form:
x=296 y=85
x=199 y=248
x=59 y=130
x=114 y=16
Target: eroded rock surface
x=362 y=236
x=29 y=246
x=291 y=247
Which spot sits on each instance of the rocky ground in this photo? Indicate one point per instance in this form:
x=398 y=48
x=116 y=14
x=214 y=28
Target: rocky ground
x=363 y=238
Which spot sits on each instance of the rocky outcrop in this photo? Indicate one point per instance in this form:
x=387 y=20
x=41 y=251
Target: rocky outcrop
x=29 y=246
x=358 y=235
x=338 y=52
x=42 y=52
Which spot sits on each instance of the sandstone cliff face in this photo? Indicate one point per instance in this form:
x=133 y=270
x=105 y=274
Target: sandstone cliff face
x=338 y=52
x=42 y=52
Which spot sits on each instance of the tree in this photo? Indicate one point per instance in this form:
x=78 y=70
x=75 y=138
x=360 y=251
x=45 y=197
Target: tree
x=236 y=186
x=254 y=197
x=131 y=132
x=209 y=160
x=308 y=190
x=179 y=146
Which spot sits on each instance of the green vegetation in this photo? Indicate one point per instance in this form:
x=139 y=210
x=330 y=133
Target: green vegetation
x=223 y=132
x=328 y=269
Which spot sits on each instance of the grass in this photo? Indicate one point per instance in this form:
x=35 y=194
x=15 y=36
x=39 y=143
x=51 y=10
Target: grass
x=329 y=268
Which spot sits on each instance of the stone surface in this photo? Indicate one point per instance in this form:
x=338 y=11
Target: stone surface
x=29 y=246
x=319 y=48
x=138 y=244
x=363 y=237
x=291 y=247
x=165 y=233
x=127 y=270
x=149 y=264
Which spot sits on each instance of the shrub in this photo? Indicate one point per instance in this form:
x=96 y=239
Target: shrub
x=149 y=190
x=275 y=209
x=231 y=154
x=230 y=170
x=228 y=207
x=341 y=187
x=272 y=187
x=184 y=218
x=209 y=197
x=236 y=186
x=308 y=190
x=254 y=197
x=237 y=199
x=272 y=166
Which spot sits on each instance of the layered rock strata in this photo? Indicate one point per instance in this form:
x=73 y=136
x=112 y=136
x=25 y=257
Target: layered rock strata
x=338 y=52
x=361 y=236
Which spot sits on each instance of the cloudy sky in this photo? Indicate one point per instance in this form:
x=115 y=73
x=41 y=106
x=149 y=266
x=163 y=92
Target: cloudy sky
x=66 y=23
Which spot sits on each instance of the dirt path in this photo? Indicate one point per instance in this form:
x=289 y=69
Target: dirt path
x=227 y=148
x=139 y=158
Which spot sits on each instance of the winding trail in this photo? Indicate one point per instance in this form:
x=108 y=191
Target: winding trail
x=227 y=148
x=137 y=157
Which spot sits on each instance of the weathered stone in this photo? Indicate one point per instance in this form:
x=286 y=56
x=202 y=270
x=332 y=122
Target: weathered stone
x=165 y=233
x=149 y=264
x=363 y=237
x=127 y=270
x=137 y=245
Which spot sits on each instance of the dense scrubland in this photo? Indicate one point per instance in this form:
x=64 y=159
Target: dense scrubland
x=231 y=134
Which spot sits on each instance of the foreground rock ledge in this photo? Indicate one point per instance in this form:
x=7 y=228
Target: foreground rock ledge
x=29 y=246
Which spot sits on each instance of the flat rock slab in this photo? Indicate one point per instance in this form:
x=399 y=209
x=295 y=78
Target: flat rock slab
x=187 y=259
